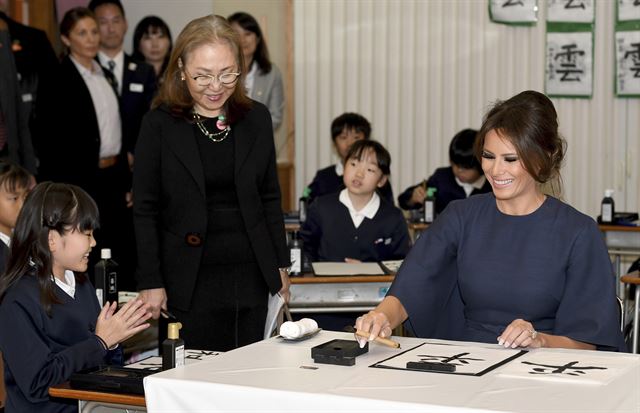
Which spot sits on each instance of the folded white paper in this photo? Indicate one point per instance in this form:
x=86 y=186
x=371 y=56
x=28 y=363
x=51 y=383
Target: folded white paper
x=275 y=303
x=345 y=268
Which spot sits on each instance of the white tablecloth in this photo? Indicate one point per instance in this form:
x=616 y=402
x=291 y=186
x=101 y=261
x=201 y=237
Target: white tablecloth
x=267 y=377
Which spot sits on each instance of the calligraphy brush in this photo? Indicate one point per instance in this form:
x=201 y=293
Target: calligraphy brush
x=384 y=341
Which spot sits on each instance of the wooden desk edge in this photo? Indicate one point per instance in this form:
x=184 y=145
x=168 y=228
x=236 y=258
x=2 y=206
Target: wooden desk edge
x=66 y=392
x=341 y=279
x=618 y=228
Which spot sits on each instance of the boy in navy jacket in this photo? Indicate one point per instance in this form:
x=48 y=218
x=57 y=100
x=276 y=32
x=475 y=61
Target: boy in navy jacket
x=345 y=130
x=460 y=180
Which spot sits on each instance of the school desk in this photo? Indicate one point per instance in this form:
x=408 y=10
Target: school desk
x=360 y=293
x=88 y=400
x=280 y=376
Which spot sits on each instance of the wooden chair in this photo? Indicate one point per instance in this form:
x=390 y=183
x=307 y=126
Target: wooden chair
x=633 y=278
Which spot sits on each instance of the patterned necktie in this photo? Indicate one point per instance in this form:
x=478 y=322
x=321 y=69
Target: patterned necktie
x=3 y=131
x=112 y=66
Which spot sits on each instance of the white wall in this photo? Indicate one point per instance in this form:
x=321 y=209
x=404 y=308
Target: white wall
x=422 y=70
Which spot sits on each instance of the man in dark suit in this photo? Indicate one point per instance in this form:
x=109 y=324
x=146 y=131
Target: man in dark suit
x=135 y=84
x=35 y=63
x=135 y=81
x=15 y=138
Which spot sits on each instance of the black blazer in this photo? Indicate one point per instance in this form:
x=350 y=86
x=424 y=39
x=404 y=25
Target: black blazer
x=20 y=148
x=170 y=210
x=35 y=62
x=72 y=149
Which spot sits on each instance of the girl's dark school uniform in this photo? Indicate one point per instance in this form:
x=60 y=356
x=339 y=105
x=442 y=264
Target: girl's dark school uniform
x=40 y=351
x=329 y=234
x=447 y=190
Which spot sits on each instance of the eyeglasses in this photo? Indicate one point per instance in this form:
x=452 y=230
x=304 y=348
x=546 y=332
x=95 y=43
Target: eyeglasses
x=223 y=78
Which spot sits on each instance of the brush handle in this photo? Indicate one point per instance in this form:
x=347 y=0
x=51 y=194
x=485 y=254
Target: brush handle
x=385 y=341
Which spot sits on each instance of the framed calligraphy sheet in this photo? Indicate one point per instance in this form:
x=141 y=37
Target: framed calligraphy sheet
x=468 y=360
x=572 y=11
x=628 y=63
x=514 y=11
x=569 y=64
x=585 y=367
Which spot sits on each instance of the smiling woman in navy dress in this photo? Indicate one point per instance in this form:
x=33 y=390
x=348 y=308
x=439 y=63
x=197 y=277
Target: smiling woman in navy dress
x=515 y=266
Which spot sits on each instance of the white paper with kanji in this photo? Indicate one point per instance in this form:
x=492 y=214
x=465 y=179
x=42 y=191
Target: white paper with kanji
x=584 y=367
x=468 y=359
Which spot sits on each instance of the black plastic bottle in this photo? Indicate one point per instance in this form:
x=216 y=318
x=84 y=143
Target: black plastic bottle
x=607 y=208
x=430 y=206
x=303 y=203
x=297 y=256
x=173 y=348
x=106 y=278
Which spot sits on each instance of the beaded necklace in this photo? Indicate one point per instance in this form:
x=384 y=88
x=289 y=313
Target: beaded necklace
x=215 y=136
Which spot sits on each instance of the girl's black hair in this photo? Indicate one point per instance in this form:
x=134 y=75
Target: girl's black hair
x=148 y=25
x=360 y=148
x=461 y=150
x=249 y=23
x=48 y=207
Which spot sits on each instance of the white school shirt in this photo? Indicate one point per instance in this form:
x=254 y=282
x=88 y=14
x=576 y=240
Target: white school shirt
x=468 y=188
x=5 y=238
x=69 y=283
x=369 y=210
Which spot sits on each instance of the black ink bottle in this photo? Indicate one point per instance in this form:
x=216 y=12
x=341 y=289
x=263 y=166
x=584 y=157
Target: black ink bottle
x=303 y=204
x=173 y=348
x=607 y=208
x=430 y=206
x=295 y=249
x=106 y=278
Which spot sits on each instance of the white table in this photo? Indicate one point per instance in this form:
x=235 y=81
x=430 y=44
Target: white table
x=267 y=377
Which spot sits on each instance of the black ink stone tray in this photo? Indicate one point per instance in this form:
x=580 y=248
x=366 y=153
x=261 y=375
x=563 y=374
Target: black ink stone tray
x=338 y=352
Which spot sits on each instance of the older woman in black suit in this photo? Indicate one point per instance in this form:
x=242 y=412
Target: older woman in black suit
x=209 y=227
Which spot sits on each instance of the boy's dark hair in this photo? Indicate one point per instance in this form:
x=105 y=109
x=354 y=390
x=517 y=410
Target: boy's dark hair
x=13 y=176
x=350 y=121
x=49 y=206
x=461 y=150
x=359 y=149
x=249 y=23
x=94 y=4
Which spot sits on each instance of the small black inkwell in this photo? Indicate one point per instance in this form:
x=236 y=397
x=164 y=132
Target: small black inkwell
x=339 y=352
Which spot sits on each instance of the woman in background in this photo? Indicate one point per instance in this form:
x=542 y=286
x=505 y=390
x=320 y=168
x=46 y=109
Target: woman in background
x=82 y=115
x=263 y=79
x=152 y=44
